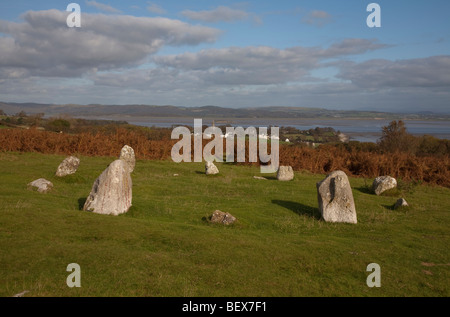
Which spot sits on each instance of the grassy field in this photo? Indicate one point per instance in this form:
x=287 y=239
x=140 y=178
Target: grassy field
x=164 y=246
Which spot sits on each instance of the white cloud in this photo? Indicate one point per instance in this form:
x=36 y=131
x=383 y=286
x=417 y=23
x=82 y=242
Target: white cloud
x=248 y=65
x=432 y=72
x=154 y=8
x=261 y=65
x=43 y=45
x=352 y=46
x=102 y=6
x=219 y=14
x=317 y=18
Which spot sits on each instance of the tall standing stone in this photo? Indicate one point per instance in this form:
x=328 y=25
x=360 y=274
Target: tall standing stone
x=111 y=193
x=127 y=154
x=285 y=173
x=335 y=198
x=68 y=166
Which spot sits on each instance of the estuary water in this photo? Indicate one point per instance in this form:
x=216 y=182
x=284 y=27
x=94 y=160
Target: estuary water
x=363 y=130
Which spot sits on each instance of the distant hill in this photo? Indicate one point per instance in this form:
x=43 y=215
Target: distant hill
x=96 y=110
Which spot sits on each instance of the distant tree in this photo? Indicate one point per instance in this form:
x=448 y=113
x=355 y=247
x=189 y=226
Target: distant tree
x=58 y=125
x=21 y=114
x=35 y=119
x=395 y=138
x=2 y=113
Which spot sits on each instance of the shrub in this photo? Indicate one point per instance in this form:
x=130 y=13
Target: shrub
x=57 y=125
x=395 y=138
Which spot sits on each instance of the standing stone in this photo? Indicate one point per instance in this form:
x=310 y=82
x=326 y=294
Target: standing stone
x=127 y=154
x=68 y=166
x=400 y=203
x=383 y=183
x=343 y=138
x=111 y=193
x=42 y=185
x=285 y=173
x=211 y=169
x=222 y=217
x=335 y=198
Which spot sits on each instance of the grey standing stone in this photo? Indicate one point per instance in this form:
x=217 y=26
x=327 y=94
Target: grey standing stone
x=383 y=183
x=111 y=193
x=400 y=203
x=335 y=198
x=68 y=166
x=222 y=217
x=127 y=154
x=285 y=173
x=42 y=185
x=211 y=169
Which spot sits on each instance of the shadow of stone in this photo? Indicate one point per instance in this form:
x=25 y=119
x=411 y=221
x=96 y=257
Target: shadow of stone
x=389 y=207
x=365 y=190
x=81 y=202
x=298 y=208
x=210 y=175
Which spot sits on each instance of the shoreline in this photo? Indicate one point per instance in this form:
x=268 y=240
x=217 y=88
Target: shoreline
x=357 y=129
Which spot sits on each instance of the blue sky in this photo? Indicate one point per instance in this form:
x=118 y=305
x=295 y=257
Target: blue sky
x=228 y=53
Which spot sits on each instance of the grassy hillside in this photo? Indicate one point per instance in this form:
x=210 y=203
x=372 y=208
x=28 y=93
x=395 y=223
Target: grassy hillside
x=165 y=247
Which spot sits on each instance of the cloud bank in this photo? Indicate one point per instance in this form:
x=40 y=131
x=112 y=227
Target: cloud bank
x=43 y=45
x=118 y=59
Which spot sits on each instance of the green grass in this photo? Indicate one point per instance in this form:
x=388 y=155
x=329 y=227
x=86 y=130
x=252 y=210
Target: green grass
x=164 y=246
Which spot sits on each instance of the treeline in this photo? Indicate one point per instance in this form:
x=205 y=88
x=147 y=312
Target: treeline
x=316 y=135
x=70 y=125
x=427 y=161
x=395 y=138
x=61 y=123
